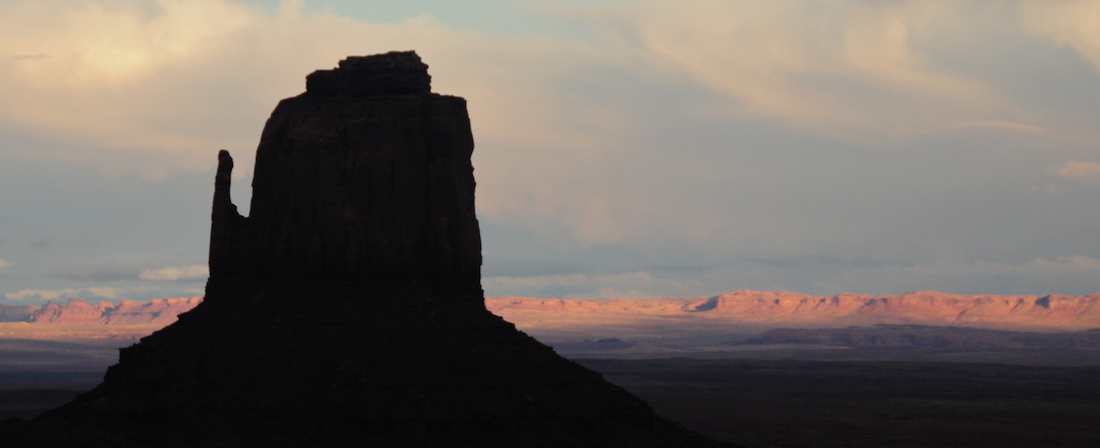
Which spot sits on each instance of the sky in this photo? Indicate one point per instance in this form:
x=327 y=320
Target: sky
x=624 y=148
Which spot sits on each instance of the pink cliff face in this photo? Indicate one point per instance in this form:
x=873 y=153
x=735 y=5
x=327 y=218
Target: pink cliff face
x=793 y=309
x=154 y=313
x=763 y=309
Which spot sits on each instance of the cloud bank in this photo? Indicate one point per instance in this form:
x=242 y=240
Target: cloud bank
x=66 y=293
x=1081 y=171
x=175 y=273
x=766 y=141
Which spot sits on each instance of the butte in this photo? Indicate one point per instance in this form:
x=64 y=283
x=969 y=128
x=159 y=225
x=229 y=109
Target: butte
x=347 y=309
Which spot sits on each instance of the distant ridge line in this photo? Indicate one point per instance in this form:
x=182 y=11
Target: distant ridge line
x=763 y=308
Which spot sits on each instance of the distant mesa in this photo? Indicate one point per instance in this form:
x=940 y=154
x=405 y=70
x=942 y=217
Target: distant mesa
x=149 y=313
x=733 y=310
x=347 y=308
x=763 y=309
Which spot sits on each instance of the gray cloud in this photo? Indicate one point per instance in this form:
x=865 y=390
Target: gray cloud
x=665 y=149
x=97 y=275
x=1080 y=171
x=175 y=273
x=61 y=294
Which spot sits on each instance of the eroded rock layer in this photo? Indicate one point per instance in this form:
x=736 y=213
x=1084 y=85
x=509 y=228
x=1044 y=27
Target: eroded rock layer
x=363 y=200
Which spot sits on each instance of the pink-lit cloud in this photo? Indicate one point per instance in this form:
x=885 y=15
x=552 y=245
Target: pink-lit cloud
x=1080 y=171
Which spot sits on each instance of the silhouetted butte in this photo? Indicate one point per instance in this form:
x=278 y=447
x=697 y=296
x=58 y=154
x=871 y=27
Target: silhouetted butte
x=362 y=254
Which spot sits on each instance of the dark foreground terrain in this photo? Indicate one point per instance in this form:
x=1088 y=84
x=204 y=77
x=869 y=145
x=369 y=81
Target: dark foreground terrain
x=790 y=403
x=40 y=375
x=784 y=403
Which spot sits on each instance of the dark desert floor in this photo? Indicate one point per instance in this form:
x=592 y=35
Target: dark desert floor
x=787 y=403
x=771 y=402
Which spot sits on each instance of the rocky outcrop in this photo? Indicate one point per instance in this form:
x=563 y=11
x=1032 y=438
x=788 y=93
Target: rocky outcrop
x=1054 y=312
x=73 y=312
x=395 y=73
x=732 y=311
x=1022 y=312
x=366 y=177
x=363 y=201
x=154 y=313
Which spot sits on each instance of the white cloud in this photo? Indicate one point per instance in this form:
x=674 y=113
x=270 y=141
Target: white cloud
x=4 y=264
x=66 y=293
x=175 y=273
x=1081 y=171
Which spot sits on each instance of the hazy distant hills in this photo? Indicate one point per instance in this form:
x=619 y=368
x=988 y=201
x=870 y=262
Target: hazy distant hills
x=738 y=311
x=773 y=309
x=160 y=312
x=928 y=326
x=77 y=319
x=919 y=326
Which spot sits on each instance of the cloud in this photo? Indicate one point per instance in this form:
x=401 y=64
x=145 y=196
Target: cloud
x=1001 y=125
x=97 y=274
x=849 y=65
x=66 y=293
x=623 y=135
x=625 y=284
x=1080 y=171
x=30 y=57
x=1074 y=263
x=176 y=273
x=223 y=65
x=551 y=133
x=1071 y=23
x=4 y=264
x=1069 y=274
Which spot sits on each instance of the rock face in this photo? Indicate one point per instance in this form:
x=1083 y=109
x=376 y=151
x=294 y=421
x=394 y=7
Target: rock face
x=363 y=200
x=771 y=309
x=153 y=313
x=366 y=177
x=1022 y=312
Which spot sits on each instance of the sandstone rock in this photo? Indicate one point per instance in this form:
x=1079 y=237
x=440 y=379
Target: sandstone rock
x=363 y=201
x=76 y=312
x=1055 y=312
x=393 y=73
